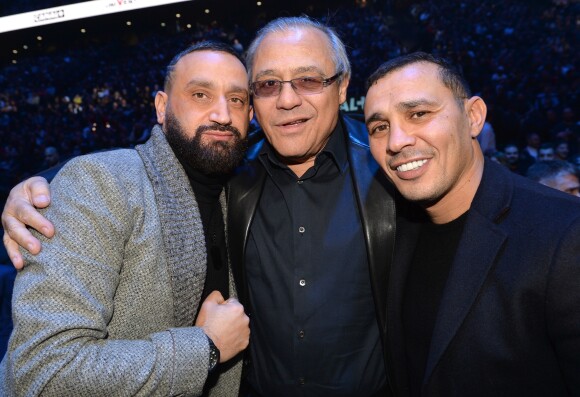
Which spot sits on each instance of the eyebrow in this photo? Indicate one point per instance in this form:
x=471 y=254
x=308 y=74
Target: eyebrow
x=210 y=85
x=406 y=105
x=401 y=107
x=374 y=117
x=301 y=69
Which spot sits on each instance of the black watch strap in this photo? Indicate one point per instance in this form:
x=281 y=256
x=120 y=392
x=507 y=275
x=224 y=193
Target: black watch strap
x=214 y=355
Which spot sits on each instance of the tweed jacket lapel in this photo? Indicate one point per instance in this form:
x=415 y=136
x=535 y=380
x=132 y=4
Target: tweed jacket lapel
x=181 y=225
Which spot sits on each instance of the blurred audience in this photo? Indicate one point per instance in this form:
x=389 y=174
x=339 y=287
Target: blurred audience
x=514 y=161
x=546 y=152
x=78 y=101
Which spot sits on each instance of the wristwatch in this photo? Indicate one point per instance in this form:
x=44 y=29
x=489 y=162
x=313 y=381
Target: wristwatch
x=214 y=355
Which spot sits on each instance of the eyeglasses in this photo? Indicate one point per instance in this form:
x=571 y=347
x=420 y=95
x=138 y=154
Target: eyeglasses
x=301 y=85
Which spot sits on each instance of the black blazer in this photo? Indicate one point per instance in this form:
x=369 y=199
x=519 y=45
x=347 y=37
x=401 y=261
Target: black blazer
x=509 y=319
x=375 y=202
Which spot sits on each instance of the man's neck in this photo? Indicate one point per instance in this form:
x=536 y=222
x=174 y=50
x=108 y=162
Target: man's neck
x=458 y=200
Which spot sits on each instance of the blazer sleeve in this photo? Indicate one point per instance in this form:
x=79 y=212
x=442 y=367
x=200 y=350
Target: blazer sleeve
x=64 y=300
x=563 y=305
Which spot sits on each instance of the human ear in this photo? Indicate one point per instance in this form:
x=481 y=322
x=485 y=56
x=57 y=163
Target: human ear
x=476 y=112
x=160 y=106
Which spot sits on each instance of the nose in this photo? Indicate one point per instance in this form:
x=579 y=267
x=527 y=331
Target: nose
x=288 y=98
x=220 y=112
x=399 y=138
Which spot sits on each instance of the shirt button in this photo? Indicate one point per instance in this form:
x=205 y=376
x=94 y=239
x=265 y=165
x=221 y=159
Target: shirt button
x=301 y=381
x=302 y=283
x=301 y=229
x=300 y=182
x=301 y=334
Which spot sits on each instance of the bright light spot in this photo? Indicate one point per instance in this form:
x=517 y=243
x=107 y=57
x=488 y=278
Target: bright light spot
x=39 y=38
x=128 y=23
x=14 y=61
x=177 y=15
x=259 y=3
x=25 y=46
x=15 y=51
x=207 y=10
x=163 y=24
x=189 y=26
x=83 y=30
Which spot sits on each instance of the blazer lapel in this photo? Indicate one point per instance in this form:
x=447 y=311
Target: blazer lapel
x=479 y=246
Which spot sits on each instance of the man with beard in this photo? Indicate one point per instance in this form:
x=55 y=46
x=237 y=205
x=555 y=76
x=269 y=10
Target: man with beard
x=133 y=295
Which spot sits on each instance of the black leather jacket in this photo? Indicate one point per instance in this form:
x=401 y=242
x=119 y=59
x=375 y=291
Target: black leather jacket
x=374 y=195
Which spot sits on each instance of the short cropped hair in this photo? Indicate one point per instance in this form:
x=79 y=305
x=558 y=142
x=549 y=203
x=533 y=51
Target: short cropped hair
x=284 y=24
x=451 y=76
x=206 y=45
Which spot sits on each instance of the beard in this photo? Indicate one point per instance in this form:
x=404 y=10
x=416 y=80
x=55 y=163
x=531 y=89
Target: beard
x=214 y=158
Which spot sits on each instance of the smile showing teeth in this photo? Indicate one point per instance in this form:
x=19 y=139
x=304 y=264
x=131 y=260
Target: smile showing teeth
x=295 y=122
x=413 y=165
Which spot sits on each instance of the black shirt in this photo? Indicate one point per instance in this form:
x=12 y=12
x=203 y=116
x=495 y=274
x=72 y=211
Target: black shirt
x=207 y=190
x=424 y=286
x=313 y=325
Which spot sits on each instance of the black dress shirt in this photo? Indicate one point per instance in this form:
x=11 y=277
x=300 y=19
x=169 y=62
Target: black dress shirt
x=313 y=325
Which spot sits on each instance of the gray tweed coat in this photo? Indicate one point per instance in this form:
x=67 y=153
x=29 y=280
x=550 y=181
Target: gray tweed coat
x=107 y=307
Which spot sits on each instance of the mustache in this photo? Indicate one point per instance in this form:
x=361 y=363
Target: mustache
x=218 y=127
x=408 y=154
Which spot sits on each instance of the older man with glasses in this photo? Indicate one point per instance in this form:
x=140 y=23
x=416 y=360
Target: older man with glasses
x=311 y=225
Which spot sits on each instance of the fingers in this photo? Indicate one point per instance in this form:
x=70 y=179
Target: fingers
x=212 y=300
x=215 y=297
x=226 y=324
x=38 y=191
x=16 y=215
x=232 y=300
x=19 y=212
x=13 y=252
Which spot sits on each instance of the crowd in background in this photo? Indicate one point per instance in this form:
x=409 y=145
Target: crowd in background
x=520 y=56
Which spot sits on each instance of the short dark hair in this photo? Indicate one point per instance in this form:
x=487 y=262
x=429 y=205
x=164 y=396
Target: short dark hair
x=451 y=76
x=205 y=45
x=549 y=169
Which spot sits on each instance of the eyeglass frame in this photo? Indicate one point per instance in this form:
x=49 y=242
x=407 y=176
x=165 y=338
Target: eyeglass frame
x=325 y=83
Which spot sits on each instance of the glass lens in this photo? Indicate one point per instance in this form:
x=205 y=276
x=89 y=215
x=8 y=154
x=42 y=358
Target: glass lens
x=266 y=87
x=308 y=85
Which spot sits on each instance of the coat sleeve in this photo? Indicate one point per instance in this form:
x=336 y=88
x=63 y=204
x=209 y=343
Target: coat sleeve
x=563 y=306
x=64 y=300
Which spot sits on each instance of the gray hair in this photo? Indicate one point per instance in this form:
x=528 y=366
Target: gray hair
x=284 y=24
x=550 y=169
